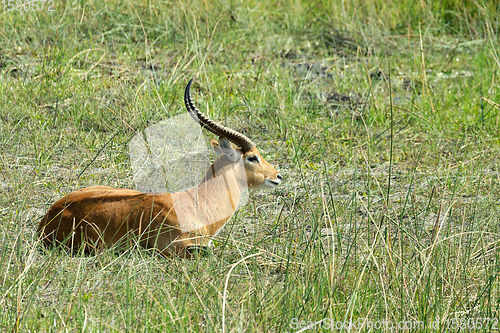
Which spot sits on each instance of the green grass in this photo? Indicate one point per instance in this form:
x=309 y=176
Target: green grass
x=382 y=116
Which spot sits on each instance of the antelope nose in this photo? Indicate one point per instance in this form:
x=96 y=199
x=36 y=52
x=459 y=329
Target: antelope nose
x=278 y=176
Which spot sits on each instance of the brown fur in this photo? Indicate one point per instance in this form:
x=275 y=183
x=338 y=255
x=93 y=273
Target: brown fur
x=100 y=217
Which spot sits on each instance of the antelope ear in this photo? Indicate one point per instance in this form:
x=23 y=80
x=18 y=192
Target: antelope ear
x=215 y=145
x=228 y=150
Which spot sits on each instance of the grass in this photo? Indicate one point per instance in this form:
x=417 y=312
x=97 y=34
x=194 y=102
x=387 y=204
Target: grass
x=382 y=116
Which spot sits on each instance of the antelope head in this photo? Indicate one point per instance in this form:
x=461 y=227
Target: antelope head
x=259 y=173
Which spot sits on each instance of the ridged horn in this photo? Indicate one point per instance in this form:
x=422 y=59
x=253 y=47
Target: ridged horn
x=235 y=137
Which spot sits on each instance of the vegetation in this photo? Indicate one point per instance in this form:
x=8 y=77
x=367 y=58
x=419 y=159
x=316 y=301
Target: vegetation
x=382 y=116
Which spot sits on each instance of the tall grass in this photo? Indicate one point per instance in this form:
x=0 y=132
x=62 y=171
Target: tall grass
x=381 y=115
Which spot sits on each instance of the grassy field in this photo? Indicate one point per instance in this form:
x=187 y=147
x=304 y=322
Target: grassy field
x=382 y=117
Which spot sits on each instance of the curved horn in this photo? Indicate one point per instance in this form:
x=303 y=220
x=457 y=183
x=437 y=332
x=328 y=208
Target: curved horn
x=235 y=137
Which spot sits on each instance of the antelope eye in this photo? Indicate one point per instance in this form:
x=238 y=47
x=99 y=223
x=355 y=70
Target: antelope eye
x=253 y=159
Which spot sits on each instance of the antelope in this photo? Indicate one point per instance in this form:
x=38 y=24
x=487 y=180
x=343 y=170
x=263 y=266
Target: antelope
x=181 y=223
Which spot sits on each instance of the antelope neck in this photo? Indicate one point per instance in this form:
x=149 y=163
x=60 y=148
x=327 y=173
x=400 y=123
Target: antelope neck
x=206 y=208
